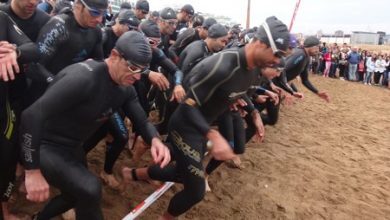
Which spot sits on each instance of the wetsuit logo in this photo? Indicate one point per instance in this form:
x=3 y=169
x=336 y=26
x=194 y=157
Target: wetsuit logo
x=26 y=145
x=196 y=171
x=185 y=148
x=8 y=192
x=280 y=41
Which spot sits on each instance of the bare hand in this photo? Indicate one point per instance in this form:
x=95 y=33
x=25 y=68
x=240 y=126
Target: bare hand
x=274 y=97
x=324 y=95
x=261 y=99
x=36 y=186
x=239 y=103
x=288 y=99
x=160 y=153
x=8 y=63
x=178 y=93
x=260 y=131
x=159 y=80
x=298 y=95
x=221 y=149
x=276 y=89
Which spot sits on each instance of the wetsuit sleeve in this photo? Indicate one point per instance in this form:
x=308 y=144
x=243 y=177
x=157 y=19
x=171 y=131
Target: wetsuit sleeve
x=189 y=58
x=133 y=109
x=250 y=107
x=169 y=66
x=27 y=49
x=294 y=87
x=97 y=53
x=306 y=82
x=57 y=99
x=281 y=81
x=51 y=36
x=181 y=42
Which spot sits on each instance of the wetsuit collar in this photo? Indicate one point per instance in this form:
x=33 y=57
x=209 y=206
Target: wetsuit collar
x=242 y=55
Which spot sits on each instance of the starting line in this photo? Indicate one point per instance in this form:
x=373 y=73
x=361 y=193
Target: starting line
x=148 y=201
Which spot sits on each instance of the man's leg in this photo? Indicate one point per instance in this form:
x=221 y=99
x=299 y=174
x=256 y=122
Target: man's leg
x=64 y=168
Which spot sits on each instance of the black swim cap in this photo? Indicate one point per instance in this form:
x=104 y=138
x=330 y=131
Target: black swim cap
x=125 y=5
x=134 y=47
x=279 y=33
x=96 y=4
x=197 y=20
x=127 y=16
x=188 y=8
x=217 y=30
x=208 y=22
x=311 y=42
x=142 y=5
x=167 y=13
x=150 y=28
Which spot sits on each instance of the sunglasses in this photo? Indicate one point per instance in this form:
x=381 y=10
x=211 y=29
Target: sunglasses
x=135 y=69
x=144 y=12
x=93 y=11
x=170 y=22
x=277 y=53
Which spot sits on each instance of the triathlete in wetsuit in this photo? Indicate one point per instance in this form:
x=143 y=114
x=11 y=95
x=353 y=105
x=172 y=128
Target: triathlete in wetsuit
x=221 y=80
x=126 y=21
x=198 y=50
x=188 y=36
x=78 y=101
x=167 y=24
x=67 y=39
x=183 y=17
x=297 y=65
x=24 y=51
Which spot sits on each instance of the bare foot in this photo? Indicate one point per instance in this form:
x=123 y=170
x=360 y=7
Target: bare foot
x=206 y=180
x=69 y=215
x=110 y=180
x=235 y=163
x=140 y=147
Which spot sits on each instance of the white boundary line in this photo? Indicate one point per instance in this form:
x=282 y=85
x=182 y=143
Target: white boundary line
x=148 y=201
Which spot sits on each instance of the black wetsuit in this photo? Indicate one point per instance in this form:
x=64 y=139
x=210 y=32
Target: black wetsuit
x=30 y=27
x=115 y=125
x=220 y=80
x=193 y=54
x=171 y=72
x=8 y=150
x=179 y=26
x=62 y=42
x=296 y=65
x=109 y=40
x=183 y=40
x=80 y=99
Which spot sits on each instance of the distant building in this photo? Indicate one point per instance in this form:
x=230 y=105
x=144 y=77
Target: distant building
x=329 y=39
x=360 y=37
x=381 y=37
x=386 y=40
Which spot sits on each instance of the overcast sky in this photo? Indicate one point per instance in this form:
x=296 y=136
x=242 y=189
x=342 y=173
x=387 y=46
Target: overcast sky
x=313 y=15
